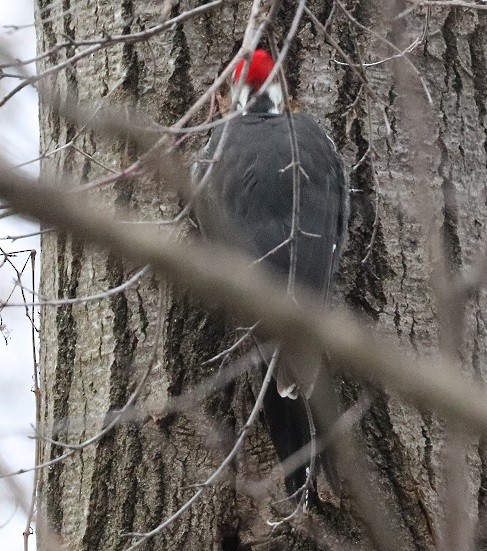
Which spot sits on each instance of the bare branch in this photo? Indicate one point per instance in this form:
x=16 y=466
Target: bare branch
x=448 y=4
x=78 y=300
x=14 y=238
x=390 y=45
x=232 y=348
x=97 y=45
x=223 y=465
x=115 y=417
x=222 y=277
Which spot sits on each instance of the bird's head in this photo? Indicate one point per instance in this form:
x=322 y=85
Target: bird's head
x=259 y=69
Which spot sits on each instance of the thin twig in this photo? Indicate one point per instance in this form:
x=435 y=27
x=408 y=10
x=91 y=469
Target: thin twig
x=229 y=350
x=37 y=398
x=14 y=238
x=390 y=45
x=377 y=189
x=117 y=417
x=344 y=424
x=223 y=465
x=77 y=300
x=346 y=58
x=97 y=45
x=221 y=276
x=448 y=4
x=303 y=491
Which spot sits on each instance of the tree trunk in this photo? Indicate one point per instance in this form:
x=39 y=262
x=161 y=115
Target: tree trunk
x=431 y=171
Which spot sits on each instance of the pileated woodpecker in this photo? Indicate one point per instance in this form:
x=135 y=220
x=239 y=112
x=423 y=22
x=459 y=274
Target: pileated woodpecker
x=248 y=204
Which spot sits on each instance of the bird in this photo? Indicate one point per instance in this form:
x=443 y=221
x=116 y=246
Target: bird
x=247 y=204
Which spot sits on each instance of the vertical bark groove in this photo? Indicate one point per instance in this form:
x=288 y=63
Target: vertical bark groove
x=140 y=473
x=68 y=272
x=479 y=68
x=180 y=90
x=392 y=461
x=451 y=240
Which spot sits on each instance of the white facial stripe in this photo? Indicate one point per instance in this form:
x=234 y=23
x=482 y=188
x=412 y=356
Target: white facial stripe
x=332 y=142
x=243 y=97
x=275 y=95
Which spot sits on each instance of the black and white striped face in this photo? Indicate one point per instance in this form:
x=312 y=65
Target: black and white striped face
x=270 y=101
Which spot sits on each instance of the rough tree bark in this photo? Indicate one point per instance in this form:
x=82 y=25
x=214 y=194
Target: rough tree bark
x=94 y=353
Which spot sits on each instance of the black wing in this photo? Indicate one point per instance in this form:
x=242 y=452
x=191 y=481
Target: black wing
x=248 y=202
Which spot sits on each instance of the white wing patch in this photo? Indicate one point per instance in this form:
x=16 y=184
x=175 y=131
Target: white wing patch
x=289 y=392
x=332 y=143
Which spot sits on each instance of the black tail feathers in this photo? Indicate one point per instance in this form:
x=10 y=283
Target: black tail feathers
x=290 y=431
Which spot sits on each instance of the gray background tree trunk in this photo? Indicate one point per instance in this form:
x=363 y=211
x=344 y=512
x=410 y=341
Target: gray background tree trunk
x=432 y=174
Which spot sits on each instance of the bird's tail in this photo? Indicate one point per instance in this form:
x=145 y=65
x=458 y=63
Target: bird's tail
x=290 y=427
